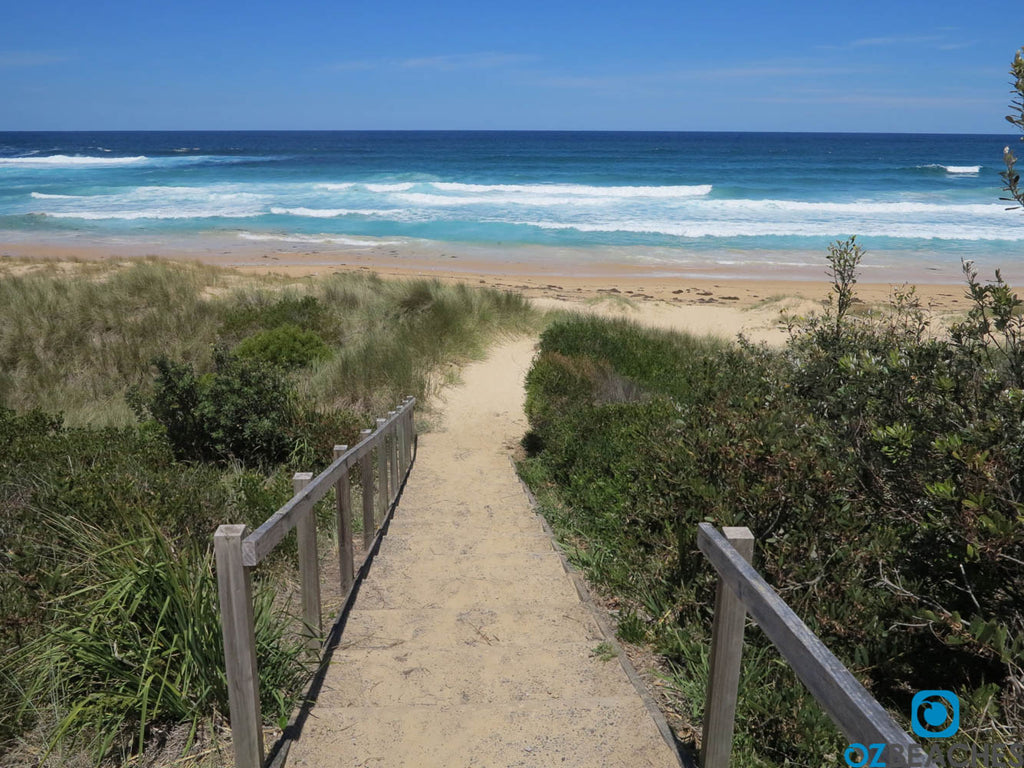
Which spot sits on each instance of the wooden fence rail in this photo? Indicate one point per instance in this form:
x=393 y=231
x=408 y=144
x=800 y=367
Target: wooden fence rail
x=238 y=551
x=741 y=590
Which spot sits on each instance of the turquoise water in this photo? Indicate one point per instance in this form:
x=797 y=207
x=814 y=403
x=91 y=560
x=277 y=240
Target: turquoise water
x=714 y=197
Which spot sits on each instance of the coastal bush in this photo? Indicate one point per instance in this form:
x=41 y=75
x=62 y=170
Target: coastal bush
x=259 y=310
x=107 y=598
x=242 y=410
x=83 y=510
x=287 y=346
x=877 y=463
x=134 y=644
x=1011 y=177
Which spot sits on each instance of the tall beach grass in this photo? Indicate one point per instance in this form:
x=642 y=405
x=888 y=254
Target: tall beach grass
x=109 y=634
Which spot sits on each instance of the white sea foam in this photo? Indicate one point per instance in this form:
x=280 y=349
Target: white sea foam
x=856 y=208
x=209 y=213
x=69 y=161
x=153 y=202
x=714 y=229
x=314 y=213
x=452 y=201
x=333 y=213
x=585 y=190
x=90 y=161
x=390 y=187
x=955 y=169
x=365 y=242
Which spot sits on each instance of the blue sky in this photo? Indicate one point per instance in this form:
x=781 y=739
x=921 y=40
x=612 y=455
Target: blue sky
x=828 y=65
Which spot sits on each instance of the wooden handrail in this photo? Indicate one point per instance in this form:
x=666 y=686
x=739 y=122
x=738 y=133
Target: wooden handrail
x=262 y=541
x=237 y=552
x=855 y=711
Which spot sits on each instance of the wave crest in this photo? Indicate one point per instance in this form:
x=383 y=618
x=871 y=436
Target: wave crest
x=69 y=161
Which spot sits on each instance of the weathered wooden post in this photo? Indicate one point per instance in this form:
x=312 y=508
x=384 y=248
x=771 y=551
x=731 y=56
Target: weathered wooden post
x=234 y=587
x=309 y=566
x=400 y=439
x=407 y=431
x=724 y=667
x=382 y=471
x=343 y=502
x=366 y=479
x=396 y=477
x=412 y=432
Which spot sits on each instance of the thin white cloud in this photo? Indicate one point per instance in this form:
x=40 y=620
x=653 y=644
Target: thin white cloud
x=28 y=59
x=941 y=42
x=708 y=74
x=353 y=66
x=451 y=62
x=456 y=61
x=884 y=42
x=876 y=100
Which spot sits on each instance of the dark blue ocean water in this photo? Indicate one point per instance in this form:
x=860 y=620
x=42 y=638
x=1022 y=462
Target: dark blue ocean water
x=723 y=196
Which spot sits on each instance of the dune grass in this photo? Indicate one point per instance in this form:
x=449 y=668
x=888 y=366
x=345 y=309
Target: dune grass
x=76 y=342
x=109 y=636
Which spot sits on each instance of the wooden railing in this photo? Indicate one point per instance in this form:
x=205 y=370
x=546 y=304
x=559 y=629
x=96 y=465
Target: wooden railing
x=238 y=551
x=741 y=590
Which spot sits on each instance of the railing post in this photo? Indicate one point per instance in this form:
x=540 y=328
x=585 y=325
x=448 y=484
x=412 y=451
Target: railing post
x=724 y=667
x=234 y=587
x=412 y=432
x=366 y=479
x=309 y=566
x=407 y=430
x=346 y=557
x=382 y=470
x=393 y=457
x=400 y=441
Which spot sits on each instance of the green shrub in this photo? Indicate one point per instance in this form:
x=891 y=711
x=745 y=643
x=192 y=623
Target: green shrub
x=878 y=467
x=266 y=311
x=69 y=494
x=80 y=342
x=241 y=411
x=136 y=642
x=286 y=346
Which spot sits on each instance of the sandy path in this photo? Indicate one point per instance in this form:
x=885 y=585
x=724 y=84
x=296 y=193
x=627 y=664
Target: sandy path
x=468 y=644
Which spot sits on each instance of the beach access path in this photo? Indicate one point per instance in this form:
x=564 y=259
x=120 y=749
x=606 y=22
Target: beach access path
x=468 y=644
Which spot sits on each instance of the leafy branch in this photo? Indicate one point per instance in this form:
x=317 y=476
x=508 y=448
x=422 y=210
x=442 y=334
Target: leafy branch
x=1010 y=176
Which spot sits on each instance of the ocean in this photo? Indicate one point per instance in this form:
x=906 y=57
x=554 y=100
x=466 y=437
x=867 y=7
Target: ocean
x=680 y=202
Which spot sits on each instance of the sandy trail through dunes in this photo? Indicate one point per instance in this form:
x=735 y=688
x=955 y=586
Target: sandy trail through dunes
x=468 y=644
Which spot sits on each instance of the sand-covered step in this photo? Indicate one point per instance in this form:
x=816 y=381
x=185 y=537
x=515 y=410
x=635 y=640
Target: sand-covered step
x=506 y=567
x=459 y=593
x=402 y=544
x=480 y=674
x=467 y=516
x=443 y=628
x=611 y=733
x=461 y=531
x=468 y=644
